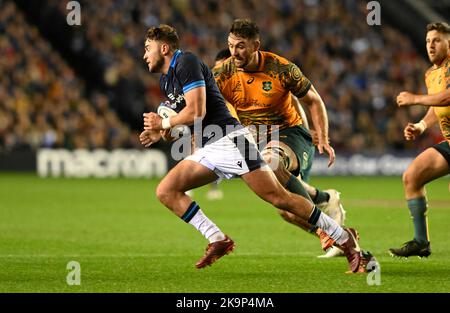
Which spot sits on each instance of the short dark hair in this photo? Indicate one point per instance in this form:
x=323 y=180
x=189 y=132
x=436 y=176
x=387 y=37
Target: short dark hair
x=440 y=27
x=166 y=34
x=245 y=28
x=223 y=54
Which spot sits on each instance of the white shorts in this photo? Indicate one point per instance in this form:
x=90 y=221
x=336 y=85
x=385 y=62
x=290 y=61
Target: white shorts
x=231 y=156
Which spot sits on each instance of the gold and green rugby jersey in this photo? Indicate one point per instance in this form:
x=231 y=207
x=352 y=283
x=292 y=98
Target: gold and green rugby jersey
x=438 y=80
x=263 y=97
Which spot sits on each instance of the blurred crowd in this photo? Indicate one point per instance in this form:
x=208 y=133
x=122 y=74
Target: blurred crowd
x=42 y=102
x=358 y=69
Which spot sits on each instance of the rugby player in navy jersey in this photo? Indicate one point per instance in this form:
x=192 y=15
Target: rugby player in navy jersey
x=230 y=151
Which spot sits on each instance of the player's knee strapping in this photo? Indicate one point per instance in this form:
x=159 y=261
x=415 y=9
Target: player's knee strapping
x=277 y=155
x=293 y=184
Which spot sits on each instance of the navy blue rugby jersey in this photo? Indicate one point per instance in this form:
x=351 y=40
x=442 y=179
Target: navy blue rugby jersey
x=187 y=72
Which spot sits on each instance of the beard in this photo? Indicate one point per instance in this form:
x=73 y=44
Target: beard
x=157 y=65
x=243 y=63
x=438 y=57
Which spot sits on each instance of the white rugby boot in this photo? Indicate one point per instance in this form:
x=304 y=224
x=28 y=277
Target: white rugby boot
x=335 y=210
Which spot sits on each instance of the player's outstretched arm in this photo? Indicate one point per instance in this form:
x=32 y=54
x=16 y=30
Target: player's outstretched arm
x=438 y=99
x=320 y=121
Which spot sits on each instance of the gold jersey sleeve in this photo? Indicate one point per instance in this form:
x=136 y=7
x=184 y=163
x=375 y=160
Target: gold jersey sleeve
x=438 y=80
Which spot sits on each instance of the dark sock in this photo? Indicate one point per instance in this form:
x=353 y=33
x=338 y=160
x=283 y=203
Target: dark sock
x=321 y=196
x=314 y=216
x=418 y=209
x=313 y=229
x=295 y=186
x=190 y=212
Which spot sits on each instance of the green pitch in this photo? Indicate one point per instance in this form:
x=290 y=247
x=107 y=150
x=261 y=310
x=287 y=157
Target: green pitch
x=125 y=241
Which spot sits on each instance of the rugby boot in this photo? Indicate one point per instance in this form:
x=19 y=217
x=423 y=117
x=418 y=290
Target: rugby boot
x=215 y=251
x=411 y=248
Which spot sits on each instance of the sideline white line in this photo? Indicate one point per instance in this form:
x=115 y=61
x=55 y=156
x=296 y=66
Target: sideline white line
x=150 y=255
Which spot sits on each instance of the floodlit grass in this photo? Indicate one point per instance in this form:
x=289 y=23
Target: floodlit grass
x=125 y=241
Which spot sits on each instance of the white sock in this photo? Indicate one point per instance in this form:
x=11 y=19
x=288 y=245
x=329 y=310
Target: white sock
x=332 y=229
x=206 y=227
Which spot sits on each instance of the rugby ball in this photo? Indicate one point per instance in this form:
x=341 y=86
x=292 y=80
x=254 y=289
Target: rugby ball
x=177 y=131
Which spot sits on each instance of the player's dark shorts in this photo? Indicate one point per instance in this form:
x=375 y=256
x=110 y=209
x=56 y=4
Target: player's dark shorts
x=444 y=149
x=299 y=140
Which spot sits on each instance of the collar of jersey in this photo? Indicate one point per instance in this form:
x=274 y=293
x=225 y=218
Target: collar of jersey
x=174 y=58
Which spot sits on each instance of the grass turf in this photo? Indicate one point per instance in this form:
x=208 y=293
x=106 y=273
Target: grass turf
x=126 y=241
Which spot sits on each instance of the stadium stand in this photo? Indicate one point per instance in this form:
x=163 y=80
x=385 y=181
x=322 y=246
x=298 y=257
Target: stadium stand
x=358 y=69
x=42 y=102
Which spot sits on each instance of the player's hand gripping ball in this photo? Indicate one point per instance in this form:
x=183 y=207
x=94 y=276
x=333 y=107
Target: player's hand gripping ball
x=174 y=132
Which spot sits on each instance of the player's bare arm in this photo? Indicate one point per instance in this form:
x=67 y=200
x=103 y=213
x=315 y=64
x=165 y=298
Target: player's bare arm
x=299 y=108
x=412 y=131
x=440 y=99
x=320 y=121
x=149 y=137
